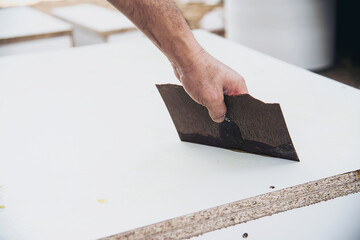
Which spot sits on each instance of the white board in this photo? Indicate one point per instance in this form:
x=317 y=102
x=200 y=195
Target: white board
x=94 y=17
x=37 y=45
x=78 y=159
x=27 y=30
x=26 y=21
x=93 y=24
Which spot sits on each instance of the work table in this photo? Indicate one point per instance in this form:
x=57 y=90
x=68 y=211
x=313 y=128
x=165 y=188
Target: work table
x=88 y=149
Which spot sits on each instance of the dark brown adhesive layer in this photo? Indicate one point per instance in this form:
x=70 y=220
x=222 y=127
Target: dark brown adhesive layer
x=198 y=223
x=250 y=125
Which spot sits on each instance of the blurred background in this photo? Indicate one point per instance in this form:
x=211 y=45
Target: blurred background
x=319 y=35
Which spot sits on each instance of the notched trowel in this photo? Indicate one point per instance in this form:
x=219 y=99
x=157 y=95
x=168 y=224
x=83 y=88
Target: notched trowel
x=250 y=125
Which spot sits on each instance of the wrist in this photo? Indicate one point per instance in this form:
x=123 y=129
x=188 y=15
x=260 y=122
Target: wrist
x=185 y=51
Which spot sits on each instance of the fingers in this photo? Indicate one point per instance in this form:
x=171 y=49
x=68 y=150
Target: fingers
x=207 y=81
x=217 y=112
x=214 y=102
x=235 y=85
x=216 y=107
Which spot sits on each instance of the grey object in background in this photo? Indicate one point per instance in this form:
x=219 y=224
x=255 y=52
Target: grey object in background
x=300 y=32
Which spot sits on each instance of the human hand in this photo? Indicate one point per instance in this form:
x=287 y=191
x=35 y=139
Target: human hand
x=207 y=80
x=203 y=77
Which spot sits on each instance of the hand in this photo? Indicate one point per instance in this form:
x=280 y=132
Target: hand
x=204 y=78
x=207 y=80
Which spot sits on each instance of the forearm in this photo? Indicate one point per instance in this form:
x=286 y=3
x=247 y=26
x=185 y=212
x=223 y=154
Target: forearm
x=163 y=23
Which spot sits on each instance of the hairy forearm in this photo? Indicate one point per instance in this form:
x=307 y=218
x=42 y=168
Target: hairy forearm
x=163 y=23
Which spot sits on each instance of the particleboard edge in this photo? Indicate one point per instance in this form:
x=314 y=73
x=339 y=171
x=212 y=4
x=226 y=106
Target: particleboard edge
x=36 y=37
x=227 y=215
x=103 y=34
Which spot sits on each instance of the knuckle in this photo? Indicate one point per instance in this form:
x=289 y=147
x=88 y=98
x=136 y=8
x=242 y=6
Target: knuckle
x=212 y=98
x=219 y=115
x=219 y=118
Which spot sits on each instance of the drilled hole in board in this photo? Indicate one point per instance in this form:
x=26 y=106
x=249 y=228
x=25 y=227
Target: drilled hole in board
x=272 y=187
x=245 y=235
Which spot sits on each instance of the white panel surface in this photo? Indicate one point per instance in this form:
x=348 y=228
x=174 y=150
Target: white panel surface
x=26 y=21
x=94 y=17
x=38 y=45
x=126 y=36
x=84 y=37
x=88 y=149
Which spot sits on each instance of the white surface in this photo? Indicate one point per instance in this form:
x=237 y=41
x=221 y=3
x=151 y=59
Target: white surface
x=126 y=36
x=94 y=17
x=72 y=131
x=91 y=22
x=38 y=45
x=300 y=32
x=25 y=21
x=213 y=21
x=332 y=220
x=84 y=37
x=207 y=2
x=16 y=3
